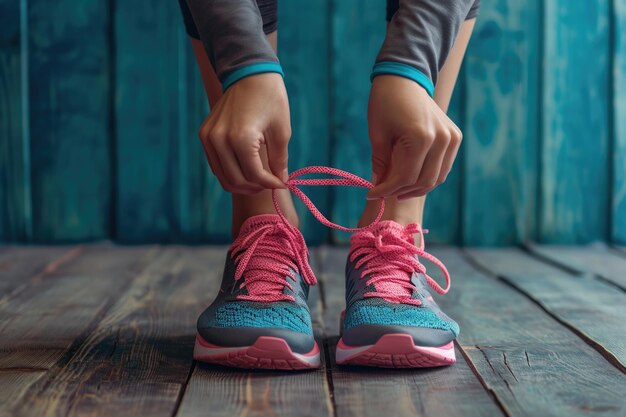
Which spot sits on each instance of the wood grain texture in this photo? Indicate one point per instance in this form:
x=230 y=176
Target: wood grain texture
x=45 y=323
x=18 y=264
x=229 y=392
x=592 y=259
x=15 y=209
x=358 y=30
x=148 y=38
x=530 y=362
x=69 y=119
x=591 y=308
x=304 y=52
x=618 y=201
x=137 y=359
x=13 y=384
x=575 y=100
x=501 y=121
x=449 y=391
x=54 y=308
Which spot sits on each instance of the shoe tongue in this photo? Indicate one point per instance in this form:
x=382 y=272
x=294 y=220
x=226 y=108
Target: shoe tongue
x=259 y=220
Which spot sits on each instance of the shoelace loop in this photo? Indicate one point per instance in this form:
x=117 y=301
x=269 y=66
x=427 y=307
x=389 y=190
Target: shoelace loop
x=345 y=179
x=273 y=251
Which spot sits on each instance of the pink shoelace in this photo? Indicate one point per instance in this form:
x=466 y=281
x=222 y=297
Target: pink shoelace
x=268 y=250
x=391 y=257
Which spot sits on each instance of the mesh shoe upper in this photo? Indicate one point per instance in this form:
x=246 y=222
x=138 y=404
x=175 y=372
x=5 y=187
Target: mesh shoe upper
x=376 y=307
x=236 y=318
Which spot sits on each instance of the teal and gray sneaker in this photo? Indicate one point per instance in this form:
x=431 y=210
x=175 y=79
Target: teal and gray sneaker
x=260 y=318
x=391 y=320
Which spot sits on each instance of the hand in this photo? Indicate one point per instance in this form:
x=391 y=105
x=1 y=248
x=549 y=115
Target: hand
x=253 y=112
x=414 y=143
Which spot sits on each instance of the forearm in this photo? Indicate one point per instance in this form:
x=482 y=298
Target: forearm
x=232 y=34
x=419 y=38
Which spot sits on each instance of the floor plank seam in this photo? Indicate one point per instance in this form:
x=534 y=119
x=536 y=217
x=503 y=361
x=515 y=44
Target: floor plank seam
x=319 y=260
x=582 y=336
x=183 y=389
x=570 y=270
x=541 y=257
x=490 y=391
x=329 y=376
x=585 y=338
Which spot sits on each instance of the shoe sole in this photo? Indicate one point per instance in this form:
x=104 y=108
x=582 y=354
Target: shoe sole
x=395 y=350
x=266 y=353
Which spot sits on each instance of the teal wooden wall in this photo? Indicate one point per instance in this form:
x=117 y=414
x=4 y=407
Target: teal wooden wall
x=100 y=102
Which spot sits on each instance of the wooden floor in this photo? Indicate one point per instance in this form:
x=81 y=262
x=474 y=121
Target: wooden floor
x=108 y=331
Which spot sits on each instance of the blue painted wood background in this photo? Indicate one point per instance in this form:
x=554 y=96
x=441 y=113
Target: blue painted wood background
x=100 y=102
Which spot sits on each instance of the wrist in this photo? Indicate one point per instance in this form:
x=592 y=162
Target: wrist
x=405 y=71
x=249 y=70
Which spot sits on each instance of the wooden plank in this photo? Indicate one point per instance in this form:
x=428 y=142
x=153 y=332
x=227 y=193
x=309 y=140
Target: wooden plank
x=69 y=114
x=147 y=119
x=13 y=385
x=136 y=361
x=228 y=392
x=450 y=391
x=54 y=311
x=18 y=264
x=574 y=155
x=591 y=308
x=530 y=362
x=304 y=52
x=501 y=121
x=358 y=30
x=618 y=193
x=15 y=210
x=592 y=259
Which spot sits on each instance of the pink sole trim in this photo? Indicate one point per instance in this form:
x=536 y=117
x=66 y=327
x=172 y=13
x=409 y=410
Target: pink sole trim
x=266 y=353
x=395 y=351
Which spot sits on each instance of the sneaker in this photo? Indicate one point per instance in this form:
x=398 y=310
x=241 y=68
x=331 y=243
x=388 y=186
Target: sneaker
x=260 y=318
x=391 y=320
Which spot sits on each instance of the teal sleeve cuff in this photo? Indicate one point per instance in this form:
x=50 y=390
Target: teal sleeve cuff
x=252 y=69
x=403 y=70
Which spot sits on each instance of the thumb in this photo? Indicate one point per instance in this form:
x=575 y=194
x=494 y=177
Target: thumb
x=381 y=158
x=278 y=154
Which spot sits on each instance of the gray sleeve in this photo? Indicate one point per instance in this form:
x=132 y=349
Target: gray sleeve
x=421 y=34
x=232 y=34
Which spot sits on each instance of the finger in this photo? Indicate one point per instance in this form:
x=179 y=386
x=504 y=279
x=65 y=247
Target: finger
x=232 y=170
x=212 y=157
x=450 y=157
x=407 y=159
x=411 y=194
x=381 y=158
x=425 y=183
x=216 y=166
x=252 y=167
x=278 y=153
x=411 y=189
x=432 y=165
